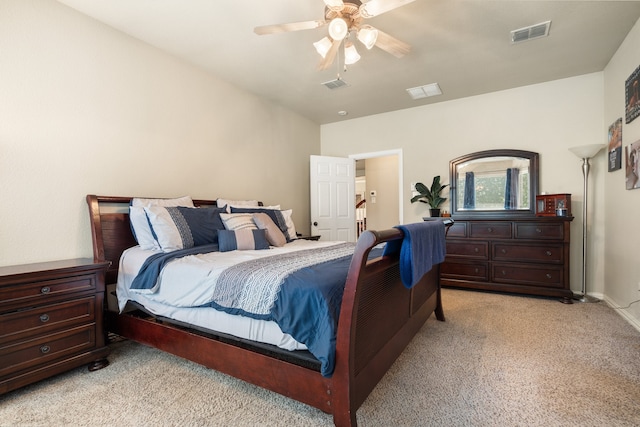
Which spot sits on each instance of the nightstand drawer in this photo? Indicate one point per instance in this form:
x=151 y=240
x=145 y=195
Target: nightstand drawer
x=41 y=292
x=21 y=324
x=528 y=252
x=23 y=355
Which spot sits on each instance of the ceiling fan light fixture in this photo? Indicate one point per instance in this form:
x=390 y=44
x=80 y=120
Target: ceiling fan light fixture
x=368 y=36
x=334 y=4
x=351 y=55
x=323 y=46
x=338 y=28
x=376 y=7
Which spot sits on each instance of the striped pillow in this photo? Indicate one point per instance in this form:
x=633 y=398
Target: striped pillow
x=242 y=240
x=238 y=221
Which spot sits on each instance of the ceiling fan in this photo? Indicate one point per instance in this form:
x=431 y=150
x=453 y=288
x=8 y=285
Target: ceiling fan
x=345 y=18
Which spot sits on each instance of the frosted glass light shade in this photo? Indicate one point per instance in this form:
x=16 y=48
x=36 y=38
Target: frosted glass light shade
x=338 y=28
x=587 y=151
x=323 y=46
x=334 y=4
x=368 y=36
x=351 y=55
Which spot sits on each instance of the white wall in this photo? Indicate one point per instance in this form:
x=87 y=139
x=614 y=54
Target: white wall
x=622 y=207
x=547 y=118
x=87 y=109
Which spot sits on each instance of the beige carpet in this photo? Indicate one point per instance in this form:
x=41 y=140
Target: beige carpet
x=498 y=360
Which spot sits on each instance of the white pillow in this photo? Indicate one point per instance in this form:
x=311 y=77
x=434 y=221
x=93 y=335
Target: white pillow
x=238 y=221
x=140 y=223
x=291 y=227
x=238 y=203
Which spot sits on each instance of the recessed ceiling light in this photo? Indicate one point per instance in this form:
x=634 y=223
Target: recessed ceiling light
x=342 y=113
x=419 y=92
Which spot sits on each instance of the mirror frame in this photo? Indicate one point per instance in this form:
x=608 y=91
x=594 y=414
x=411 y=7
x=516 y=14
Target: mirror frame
x=497 y=213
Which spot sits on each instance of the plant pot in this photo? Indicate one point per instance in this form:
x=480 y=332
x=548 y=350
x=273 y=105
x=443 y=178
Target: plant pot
x=434 y=212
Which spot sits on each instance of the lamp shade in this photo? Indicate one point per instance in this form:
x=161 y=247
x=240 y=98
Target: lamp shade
x=587 y=151
x=351 y=55
x=368 y=36
x=338 y=28
x=323 y=46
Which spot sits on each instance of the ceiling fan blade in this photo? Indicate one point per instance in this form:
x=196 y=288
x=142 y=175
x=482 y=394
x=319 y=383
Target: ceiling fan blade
x=330 y=56
x=377 y=7
x=392 y=45
x=292 y=26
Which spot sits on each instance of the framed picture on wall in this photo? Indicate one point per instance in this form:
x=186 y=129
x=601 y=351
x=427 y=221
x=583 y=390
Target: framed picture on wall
x=615 y=145
x=632 y=165
x=632 y=96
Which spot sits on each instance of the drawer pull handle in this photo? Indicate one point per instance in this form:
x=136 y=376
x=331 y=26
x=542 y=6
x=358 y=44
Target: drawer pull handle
x=45 y=290
x=504 y=273
x=44 y=318
x=504 y=251
x=548 y=253
x=538 y=230
x=548 y=276
x=476 y=250
x=490 y=230
x=45 y=349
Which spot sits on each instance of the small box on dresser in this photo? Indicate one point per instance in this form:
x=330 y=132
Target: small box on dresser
x=51 y=320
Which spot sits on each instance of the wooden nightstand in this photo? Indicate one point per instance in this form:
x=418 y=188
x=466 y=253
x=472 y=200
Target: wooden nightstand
x=51 y=320
x=308 y=237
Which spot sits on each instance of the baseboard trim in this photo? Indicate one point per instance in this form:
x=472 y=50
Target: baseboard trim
x=624 y=313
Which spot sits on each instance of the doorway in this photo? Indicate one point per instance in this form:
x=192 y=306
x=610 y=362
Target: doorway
x=378 y=190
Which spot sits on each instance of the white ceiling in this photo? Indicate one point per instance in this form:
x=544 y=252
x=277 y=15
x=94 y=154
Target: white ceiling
x=464 y=45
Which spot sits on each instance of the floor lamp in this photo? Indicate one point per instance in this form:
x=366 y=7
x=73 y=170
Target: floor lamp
x=585 y=152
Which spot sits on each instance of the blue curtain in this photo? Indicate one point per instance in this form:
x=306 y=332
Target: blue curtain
x=469 y=191
x=511 y=189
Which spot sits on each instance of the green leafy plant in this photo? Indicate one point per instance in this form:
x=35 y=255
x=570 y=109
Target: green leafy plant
x=430 y=196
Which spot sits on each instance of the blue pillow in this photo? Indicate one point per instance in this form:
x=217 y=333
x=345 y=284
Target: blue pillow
x=242 y=240
x=181 y=227
x=274 y=214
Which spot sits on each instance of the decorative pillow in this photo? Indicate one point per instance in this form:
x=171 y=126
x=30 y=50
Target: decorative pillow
x=274 y=235
x=238 y=221
x=228 y=203
x=242 y=240
x=139 y=222
x=180 y=228
x=275 y=214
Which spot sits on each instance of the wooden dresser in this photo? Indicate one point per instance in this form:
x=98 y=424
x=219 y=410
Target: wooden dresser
x=528 y=255
x=51 y=320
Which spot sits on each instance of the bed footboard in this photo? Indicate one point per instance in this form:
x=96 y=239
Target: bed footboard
x=378 y=319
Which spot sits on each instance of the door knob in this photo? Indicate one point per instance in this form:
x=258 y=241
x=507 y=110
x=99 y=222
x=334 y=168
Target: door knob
x=315 y=223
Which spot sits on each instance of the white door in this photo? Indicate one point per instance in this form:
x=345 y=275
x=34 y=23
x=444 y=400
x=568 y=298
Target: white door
x=333 y=198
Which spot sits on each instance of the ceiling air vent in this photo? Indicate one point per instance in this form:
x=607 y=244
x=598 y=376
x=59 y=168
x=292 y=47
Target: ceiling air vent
x=336 y=83
x=531 y=32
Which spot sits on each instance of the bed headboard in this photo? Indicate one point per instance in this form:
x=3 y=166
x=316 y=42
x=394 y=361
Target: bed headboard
x=111 y=231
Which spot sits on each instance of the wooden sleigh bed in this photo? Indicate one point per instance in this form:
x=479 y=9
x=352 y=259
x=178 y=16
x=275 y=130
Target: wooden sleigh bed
x=378 y=318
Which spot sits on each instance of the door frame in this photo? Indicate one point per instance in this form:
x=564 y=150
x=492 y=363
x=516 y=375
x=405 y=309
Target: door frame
x=396 y=152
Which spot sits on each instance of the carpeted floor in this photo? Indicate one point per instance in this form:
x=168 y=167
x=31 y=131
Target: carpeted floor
x=498 y=360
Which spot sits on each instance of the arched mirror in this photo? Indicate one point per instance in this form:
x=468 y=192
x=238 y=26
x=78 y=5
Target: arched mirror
x=499 y=183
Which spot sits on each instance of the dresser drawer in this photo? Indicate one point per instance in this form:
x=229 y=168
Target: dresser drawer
x=527 y=252
x=527 y=230
x=26 y=354
x=532 y=274
x=39 y=320
x=468 y=249
x=457 y=229
x=466 y=271
x=490 y=230
x=43 y=291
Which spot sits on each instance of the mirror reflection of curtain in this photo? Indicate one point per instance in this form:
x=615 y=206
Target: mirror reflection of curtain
x=469 y=191
x=511 y=189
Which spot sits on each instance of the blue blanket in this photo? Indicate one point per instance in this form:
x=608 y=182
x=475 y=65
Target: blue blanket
x=422 y=247
x=307 y=303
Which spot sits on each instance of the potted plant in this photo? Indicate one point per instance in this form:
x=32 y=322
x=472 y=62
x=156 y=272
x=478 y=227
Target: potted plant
x=431 y=196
